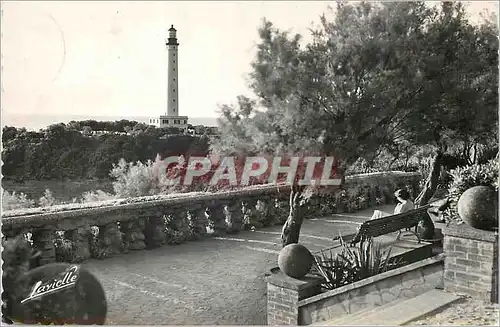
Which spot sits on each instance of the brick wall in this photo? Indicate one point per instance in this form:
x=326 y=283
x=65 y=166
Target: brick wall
x=283 y=295
x=471 y=262
x=282 y=306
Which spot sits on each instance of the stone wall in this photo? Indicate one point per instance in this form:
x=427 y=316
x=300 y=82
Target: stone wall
x=471 y=264
x=299 y=302
x=76 y=232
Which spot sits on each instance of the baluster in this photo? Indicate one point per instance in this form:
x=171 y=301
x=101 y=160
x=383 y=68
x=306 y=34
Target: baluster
x=283 y=208
x=181 y=224
x=133 y=234
x=340 y=201
x=198 y=221
x=388 y=195
x=110 y=239
x=265 y=208
x=251 y=216
x=372 y=195
x=272 y=211
x=365 y=194
x=234 y=214
x=43 y=240
x=314 y=206
x=79 y=238
x=217 y=218
x=325 y=204
x=155 y=231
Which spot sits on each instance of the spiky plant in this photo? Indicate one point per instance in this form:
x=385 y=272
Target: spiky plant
x=368 y=259
x=353 y=264
x=333 y=269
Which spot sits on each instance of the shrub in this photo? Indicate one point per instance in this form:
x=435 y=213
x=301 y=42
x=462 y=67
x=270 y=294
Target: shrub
x=474 y=175
x=11 y=201
x=467 y=177
x=140 y=179
x=133 y=179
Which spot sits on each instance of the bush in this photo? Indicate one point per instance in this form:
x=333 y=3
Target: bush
x=133 y=179
x=11 y=201
x=469 y=176
x=139 y=179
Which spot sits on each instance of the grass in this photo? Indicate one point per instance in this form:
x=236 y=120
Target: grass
x=62 y=190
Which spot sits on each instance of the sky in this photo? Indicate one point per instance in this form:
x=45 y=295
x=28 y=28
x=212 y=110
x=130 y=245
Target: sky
x=108 y=58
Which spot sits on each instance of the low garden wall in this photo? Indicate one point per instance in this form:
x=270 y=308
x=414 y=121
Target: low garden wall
x=75 y=232
x=300 y=302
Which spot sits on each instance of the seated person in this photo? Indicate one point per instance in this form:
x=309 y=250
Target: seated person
x=404 y=205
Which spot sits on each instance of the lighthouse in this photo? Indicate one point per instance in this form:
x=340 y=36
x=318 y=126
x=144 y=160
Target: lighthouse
x=173 y=73
x=172 y=117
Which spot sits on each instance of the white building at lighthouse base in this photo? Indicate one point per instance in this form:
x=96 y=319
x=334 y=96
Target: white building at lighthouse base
x=180 y=122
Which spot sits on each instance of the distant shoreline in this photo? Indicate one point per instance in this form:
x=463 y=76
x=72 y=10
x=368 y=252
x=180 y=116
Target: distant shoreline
x=40 y=121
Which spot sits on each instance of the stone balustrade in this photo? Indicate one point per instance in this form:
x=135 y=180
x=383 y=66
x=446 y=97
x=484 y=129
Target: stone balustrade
x=76 y=232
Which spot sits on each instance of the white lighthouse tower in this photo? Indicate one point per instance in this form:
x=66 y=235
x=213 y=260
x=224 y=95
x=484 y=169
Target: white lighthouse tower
x=172 y=118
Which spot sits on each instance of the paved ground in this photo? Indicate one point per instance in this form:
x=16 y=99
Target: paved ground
x=214 y=281
x=467 y=312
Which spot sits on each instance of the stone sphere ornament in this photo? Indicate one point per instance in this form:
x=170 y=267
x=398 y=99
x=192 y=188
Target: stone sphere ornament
x=295 y=260
x=478 y=207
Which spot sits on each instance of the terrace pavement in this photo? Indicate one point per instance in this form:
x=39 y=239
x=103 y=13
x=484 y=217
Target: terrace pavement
x=215 y=281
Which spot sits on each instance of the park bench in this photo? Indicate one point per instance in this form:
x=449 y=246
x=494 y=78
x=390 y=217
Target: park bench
x=394 y=223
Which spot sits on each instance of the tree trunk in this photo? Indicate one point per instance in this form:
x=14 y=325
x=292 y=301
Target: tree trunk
x=432 y=181
x=474 y=160
x=291 y=229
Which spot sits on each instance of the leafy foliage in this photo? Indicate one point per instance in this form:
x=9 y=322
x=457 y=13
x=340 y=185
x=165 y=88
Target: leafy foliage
x=334 y=269
x=134 y=179
x=467 y=177
x=474 y=175
x=376 y=78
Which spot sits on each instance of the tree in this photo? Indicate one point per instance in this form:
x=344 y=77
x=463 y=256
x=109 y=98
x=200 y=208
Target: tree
x=460 y=89
x=375 y=77
x=87 y=130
